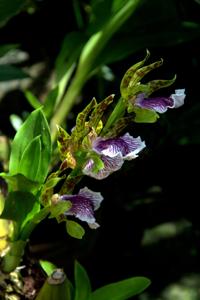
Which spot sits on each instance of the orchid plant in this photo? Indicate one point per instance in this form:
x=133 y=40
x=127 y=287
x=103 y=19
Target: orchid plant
x=97 y=145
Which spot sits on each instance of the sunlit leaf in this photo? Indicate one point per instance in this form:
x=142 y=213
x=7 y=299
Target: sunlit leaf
x=82 y=283
x=47 y=266
x=31 y=148
x=121 y=290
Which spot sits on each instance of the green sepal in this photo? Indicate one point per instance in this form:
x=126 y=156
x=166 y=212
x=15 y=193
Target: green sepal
x=63 y=141
x=145 y=115
x=129 y=74
x=74 y=229
x=98 y=111
x=140 y=73
x=154 y=85
x=98 y=163
x=32 y=137
x=58 y=209
x=81 y=130
x=134 y=83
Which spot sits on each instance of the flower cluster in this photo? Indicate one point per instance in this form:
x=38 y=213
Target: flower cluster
x=96 y=149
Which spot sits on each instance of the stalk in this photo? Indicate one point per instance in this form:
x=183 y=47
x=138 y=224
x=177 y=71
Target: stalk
x=91 y=50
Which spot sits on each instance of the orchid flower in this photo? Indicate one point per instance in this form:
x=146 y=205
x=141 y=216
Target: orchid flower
x=113 y=152
x=83 y=205
x=161 y=104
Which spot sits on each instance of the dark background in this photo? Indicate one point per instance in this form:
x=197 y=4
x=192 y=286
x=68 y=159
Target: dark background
x=162 y=185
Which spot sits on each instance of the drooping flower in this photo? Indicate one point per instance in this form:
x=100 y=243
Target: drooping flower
x=161 y=104
x=112 y=152
x=83 y=205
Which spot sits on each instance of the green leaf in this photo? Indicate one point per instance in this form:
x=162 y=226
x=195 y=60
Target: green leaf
x=6 y=48
x=31 y=148
x=20 y=207
x=30 y=161
x=47 y=266
x=8 y=72
x=121 y=290
x=74 y=229
x=20 y=183
x=70 y=50
x=82 y=283
x=9 y=8
x=50 y=102
x=33 y=101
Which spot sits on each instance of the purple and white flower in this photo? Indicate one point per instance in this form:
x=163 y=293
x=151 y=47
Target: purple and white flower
x=113 y=152
x=83 y=205
x=161 y=104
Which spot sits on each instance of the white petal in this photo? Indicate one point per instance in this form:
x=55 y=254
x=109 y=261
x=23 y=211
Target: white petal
x=178 y=97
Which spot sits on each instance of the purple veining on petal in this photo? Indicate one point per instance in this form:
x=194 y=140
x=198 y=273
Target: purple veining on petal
x=133 y=146
x=83 y=205
x=113 y=152
x=121 y=145
x=111 y=164
x=178 y=97
x=158 y=104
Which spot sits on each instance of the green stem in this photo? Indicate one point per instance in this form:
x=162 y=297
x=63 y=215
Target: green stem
x=116 y=114
x=91 y=50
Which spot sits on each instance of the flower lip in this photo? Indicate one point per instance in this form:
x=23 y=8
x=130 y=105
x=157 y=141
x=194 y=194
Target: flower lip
x=178 y=97
x=83 y=205
x=161 y=104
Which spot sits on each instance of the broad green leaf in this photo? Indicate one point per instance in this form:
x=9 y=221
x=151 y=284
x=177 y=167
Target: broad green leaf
x=9 y=8
x=74 y=229
x=8 y=72
x=20 y=183
x=31 y=158
x=33 y=101
x=47 y=266
x=82 y=283
x=121 y=290
x=20 y=207
x=33 y=133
